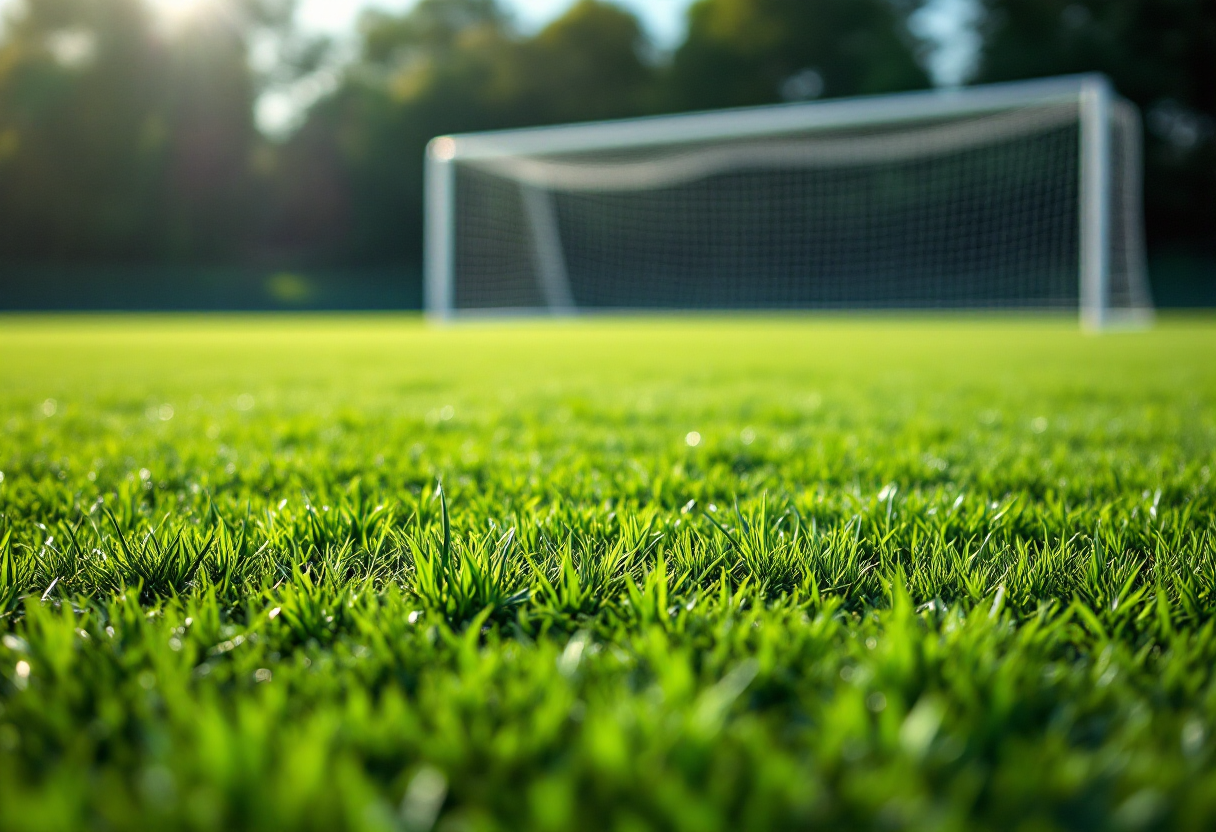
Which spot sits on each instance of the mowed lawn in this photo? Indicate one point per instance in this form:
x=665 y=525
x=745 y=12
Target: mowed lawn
x=688 y=574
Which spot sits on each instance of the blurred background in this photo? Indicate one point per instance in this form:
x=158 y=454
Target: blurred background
x=267 y=154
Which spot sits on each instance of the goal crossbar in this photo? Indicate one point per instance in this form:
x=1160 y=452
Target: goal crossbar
x=772 y=119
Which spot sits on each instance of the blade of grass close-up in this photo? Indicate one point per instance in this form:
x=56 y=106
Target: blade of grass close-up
x=689 y=574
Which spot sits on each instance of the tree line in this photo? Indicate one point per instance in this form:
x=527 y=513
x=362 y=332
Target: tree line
x=127 y=129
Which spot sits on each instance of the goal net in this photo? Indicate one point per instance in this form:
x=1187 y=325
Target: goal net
x=1014 y=196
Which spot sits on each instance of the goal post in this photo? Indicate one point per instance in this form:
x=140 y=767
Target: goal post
x=1020 y=195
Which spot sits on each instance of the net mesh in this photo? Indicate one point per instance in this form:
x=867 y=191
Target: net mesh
x=977 y=212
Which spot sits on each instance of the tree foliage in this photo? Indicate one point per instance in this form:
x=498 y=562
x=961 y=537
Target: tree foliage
x=450 y=66
x=749 y=51
x=1160 y=54
x=128 y=135
x=124 y=135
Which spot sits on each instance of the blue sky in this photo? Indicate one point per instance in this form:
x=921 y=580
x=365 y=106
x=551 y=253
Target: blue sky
x=663 y=18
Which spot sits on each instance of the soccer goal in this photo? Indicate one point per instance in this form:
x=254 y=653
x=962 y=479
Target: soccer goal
x=1010 y=196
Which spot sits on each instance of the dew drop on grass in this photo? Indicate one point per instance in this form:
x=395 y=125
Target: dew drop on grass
x=693 y=439
x=49 y=408
x=1039 y=425
x=748 y=436
x=1193 y=736
x=572 y=656
x=1140 y=810
x=158 y=785
x=423 y=799
x=920 y=727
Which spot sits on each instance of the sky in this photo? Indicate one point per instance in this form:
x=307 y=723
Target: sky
x=664 y=19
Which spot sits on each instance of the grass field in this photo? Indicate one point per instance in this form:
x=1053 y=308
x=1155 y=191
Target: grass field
x=694 y=575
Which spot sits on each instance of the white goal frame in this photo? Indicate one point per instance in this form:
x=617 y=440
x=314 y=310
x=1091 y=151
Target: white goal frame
x=1093 y=94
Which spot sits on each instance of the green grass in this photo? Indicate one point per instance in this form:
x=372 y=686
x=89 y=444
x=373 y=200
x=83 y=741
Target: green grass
x=692 y=575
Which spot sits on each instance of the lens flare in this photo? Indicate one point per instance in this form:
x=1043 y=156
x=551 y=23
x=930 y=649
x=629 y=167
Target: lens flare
x=178 y=13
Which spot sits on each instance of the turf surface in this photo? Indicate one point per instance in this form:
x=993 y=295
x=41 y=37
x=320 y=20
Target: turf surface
x=692 y=574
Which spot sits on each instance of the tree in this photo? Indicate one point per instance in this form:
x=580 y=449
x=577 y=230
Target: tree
x=126 y=135
x=1160 y=54
x=741 y=52
x=587 y=65
x=82 y=144
x=452 y=66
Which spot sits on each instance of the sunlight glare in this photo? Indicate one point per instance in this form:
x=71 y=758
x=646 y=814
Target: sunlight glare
x=181 y=12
